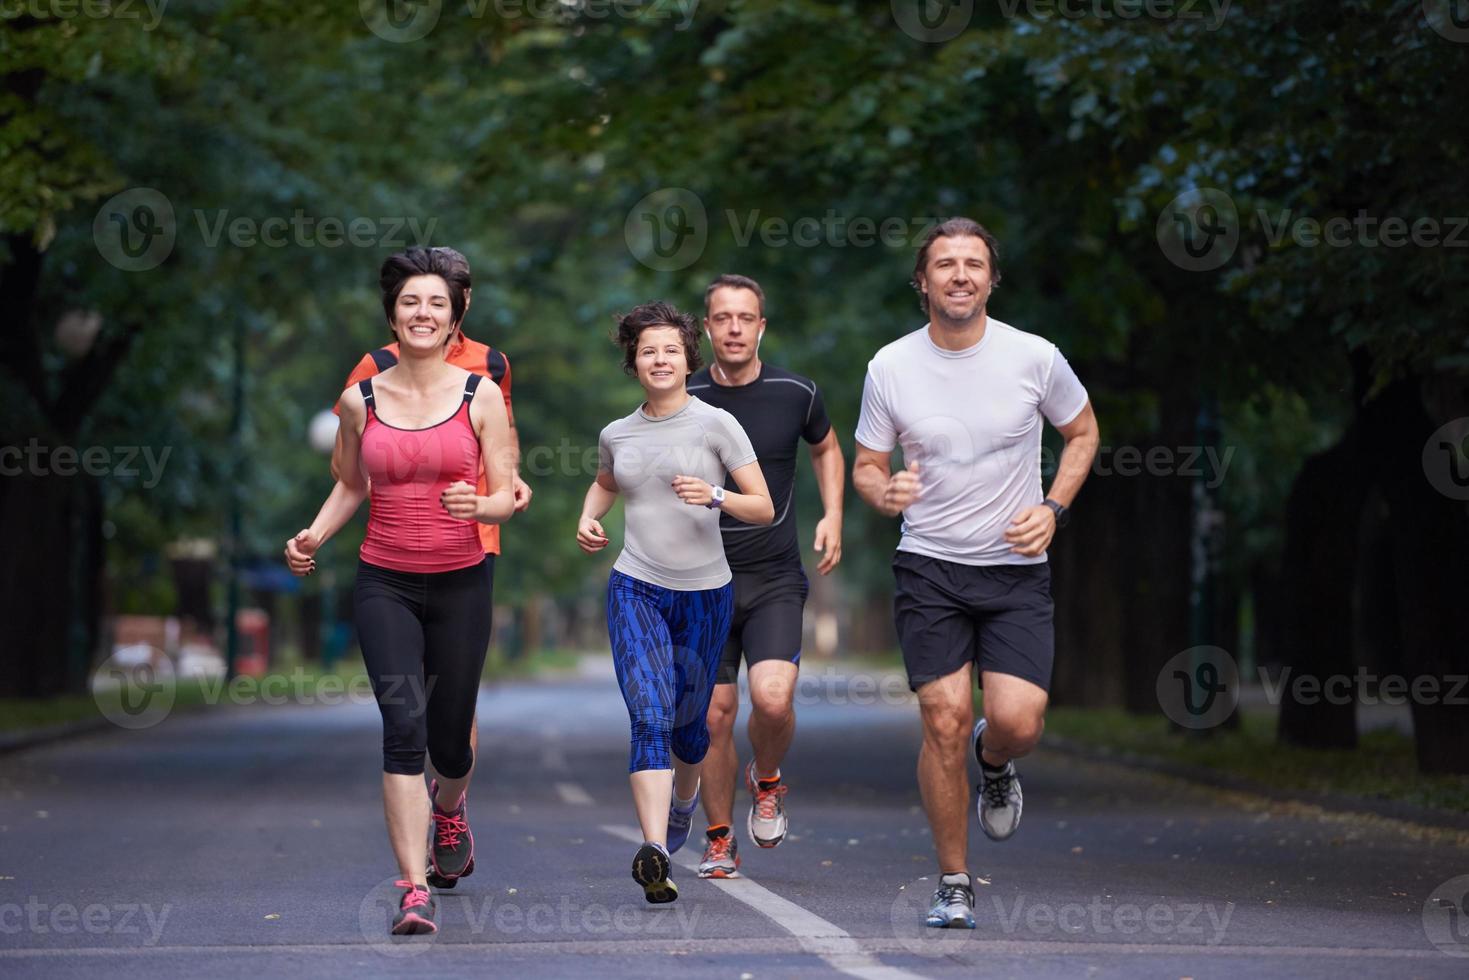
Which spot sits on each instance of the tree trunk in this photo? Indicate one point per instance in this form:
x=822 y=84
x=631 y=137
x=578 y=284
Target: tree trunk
x=1430 y=567
x=49 y=587
x=1317 y=579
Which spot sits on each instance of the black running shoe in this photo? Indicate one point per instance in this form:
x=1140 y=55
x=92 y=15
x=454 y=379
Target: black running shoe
x=650 y=868
x=415 y=911
x=452 y=854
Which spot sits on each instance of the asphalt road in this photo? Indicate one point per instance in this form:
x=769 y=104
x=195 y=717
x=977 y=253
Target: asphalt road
x=247 y=841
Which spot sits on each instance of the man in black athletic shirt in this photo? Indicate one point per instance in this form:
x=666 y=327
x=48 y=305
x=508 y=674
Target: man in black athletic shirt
x=777 y=409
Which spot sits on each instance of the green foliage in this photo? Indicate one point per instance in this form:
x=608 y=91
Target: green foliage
x=528 y=143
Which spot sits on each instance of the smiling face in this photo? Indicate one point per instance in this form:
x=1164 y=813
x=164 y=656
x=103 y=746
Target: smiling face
x=735 y=325
x=661 y=362
x=423 y=317
x=956 y=279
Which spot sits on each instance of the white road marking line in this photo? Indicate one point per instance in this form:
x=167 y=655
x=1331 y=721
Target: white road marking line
x=833 y=944
x=573 y=794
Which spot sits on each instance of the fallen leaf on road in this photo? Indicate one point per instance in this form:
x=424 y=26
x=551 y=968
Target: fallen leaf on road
x=826 y=864
x=273 y=915
x=1076 y=850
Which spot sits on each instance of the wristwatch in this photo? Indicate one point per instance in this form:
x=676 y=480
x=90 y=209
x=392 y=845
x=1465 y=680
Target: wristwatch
x=1062 y=514
x=718 y=500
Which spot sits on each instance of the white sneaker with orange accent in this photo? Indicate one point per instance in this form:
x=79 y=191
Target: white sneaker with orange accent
x=767 y=823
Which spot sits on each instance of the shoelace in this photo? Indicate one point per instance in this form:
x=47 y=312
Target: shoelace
x=766 y=801
x=449 y=827
x=415 y=897
x=954 y=894
x=719 y=848
x=997 y=788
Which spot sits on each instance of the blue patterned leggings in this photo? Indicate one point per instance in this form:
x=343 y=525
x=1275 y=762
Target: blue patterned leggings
x=666 y=646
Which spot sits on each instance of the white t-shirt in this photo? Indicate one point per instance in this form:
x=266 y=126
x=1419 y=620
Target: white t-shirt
x=971 y=419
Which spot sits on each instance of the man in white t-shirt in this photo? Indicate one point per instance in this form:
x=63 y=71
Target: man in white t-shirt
x=965 y=397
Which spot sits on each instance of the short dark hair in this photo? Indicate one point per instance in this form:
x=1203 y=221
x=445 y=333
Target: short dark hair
x=955 y=228
x=399 y=268
x=731 y=280
x=630 y=327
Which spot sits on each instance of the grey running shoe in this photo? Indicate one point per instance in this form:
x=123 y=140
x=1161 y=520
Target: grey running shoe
x=1000 y=799
x=953 y=903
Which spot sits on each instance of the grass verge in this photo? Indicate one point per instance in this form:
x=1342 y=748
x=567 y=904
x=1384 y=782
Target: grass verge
x=1382 y=767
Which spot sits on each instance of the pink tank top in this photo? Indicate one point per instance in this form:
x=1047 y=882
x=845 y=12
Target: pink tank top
x=408 y=530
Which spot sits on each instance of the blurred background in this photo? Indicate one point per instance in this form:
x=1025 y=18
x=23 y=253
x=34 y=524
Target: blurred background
x=1245 y=226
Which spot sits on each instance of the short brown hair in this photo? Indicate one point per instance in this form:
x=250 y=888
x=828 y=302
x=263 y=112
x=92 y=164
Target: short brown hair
x=955 y=228
x=630 y=327
x=731 y=280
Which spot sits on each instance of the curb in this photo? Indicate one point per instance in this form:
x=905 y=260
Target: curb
x=28 y=738
x=1391 y=809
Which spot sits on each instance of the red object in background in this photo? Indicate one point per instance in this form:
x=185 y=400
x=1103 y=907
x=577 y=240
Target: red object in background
x=253 y=659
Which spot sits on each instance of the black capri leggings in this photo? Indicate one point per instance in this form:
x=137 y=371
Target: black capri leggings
x=423 y=639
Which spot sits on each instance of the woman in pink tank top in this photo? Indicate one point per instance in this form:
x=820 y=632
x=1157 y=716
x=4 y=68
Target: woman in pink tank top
x=414 y=440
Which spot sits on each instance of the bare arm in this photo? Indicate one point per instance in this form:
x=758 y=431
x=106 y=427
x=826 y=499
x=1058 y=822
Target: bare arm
x=601 y=495
x=1032 y=529
x=1082 y=436
x=346 y=496
x=831 y=482
x=500 y=451
x=885 y=491
x=751 y=505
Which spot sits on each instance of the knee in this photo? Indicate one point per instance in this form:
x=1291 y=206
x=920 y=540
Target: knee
x=771 y=708
x=947 y=729
x=690 y=743
x=1013 y=733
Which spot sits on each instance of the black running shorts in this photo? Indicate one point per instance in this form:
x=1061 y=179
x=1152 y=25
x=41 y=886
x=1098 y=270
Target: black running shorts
x=998 y=617
x=768 y=606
